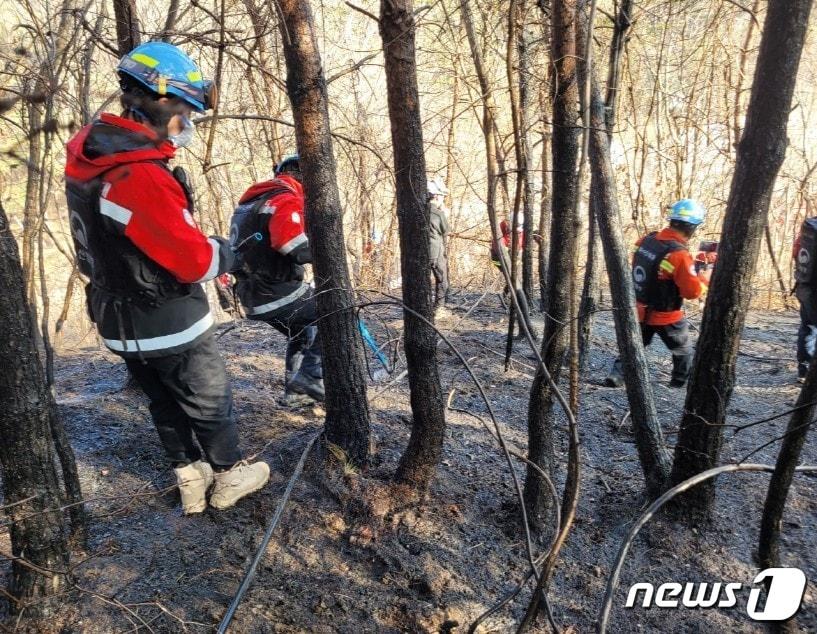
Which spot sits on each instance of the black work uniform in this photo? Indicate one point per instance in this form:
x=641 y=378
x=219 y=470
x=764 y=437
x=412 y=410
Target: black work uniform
x=676 y=338
x=136 y=240
x=190 y=394
x=807 y=333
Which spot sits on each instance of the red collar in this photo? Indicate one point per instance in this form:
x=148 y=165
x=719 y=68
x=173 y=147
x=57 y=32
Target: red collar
x=668 y=233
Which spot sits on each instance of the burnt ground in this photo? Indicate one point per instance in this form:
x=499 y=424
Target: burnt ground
x=351 y=555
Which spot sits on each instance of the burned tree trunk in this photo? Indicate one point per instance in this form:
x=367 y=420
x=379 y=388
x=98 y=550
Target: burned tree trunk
x=423 y=453
x=525 y=103
x=652 y=453
x=760 y=155
x=768 y=552
x=592 y=284
x=128 y=35
x=26 y=451
x=347 y=410
x=563 y=243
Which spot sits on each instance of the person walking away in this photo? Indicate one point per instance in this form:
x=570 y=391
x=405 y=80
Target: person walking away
x=438 y=232
x=664 y=275
x=270 y=284
x=503 y=245
x=132 y=224
x=805 y=276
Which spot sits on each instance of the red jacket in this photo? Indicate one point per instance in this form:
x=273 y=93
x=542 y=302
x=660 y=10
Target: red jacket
x=272 y=275
x=159 y=221
x=137 y=241
x=680 y=267
x=287 y=224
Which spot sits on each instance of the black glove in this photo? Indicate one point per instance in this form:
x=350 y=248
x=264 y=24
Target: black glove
x=226 y=256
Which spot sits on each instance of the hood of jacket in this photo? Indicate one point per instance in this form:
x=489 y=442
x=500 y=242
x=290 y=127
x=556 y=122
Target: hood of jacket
x=110 y=141
x=279 y=182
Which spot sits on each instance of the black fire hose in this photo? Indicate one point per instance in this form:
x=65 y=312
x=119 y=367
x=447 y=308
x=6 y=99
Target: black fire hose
x=262 y=548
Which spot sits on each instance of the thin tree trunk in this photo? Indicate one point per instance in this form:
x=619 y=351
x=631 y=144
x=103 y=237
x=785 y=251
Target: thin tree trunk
x=768 y=553
x=525 y=103
x=488 y=117
x=347 y=410
x=655 y=460
x=591 y=291
x=563 y=243
x=170 y=20
x=452 y=127
x=591 y=286
x=760 y=155
x=544 y=223
x=26 y=453
x=128 y=35
x=778 y=272
x=397 y=27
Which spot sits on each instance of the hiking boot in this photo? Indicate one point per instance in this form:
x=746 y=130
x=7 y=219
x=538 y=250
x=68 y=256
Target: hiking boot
x=239 y=481
x=194 y=480
x=294 y=400
x=303 y=384
x=615 y=378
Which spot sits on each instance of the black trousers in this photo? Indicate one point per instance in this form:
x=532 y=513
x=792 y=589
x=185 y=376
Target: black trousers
x=190 y=396
x=807 y=333
x=439 y=268
x=297 y=322
x=676 y=338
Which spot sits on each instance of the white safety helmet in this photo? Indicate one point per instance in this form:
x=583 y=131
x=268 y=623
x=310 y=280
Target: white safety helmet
x=436 y=187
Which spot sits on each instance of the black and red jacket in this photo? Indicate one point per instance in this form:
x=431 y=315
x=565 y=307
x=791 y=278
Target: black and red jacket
x=272 y=275
x=136 y=240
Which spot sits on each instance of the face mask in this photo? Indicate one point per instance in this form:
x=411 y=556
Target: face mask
x=186 y=136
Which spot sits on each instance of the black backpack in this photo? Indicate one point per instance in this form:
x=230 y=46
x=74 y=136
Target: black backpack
x=805 y=261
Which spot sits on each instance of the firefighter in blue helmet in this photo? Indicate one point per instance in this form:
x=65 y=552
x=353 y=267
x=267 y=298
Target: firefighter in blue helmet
x=137 y=241
x=664 y=275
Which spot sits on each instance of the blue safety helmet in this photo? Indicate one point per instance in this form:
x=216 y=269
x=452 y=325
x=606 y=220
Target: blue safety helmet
x=166 y=70
x=689 y=211
x=290 y=163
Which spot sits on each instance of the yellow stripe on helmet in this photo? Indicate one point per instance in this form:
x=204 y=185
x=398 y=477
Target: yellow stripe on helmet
x=147 y=60
x=161 y=85
x=194 y=75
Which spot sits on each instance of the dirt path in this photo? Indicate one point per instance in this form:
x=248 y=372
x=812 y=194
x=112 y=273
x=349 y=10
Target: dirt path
x=338 y=564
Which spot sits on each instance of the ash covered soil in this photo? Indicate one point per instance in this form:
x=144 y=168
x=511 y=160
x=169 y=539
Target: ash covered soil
x=353 y=555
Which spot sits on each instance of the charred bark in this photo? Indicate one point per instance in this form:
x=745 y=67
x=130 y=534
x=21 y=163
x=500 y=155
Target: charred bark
x=525 y=106
x=128 y=34
x=26 y=452
x=347 y=410
x=591 y=290
x=397 y=28
x=652 y=453
x=768 y=552
x=760 y=154
x=563 y=243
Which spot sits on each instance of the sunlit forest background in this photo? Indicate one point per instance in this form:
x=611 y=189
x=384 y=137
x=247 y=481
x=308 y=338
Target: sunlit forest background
x=681 y=99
